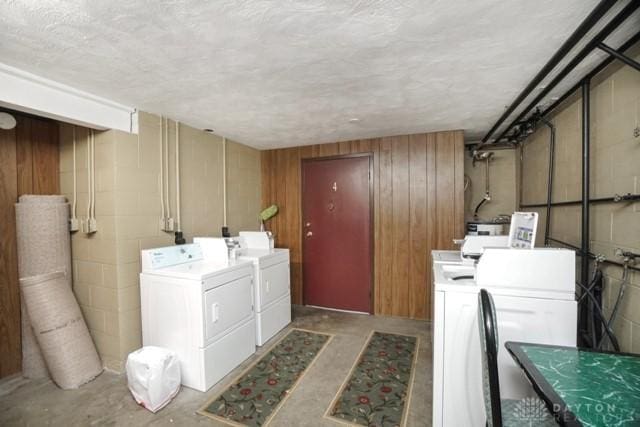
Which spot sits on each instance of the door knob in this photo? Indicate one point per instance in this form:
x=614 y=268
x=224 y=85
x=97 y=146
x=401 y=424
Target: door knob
x=309 y=233
x=308 y=224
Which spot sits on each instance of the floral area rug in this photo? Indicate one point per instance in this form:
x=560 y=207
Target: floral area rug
x=260 y=391
x=378 y=390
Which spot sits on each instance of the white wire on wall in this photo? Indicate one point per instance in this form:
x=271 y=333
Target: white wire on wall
x=93 y=175
x=164 y=217
x=224 y=181
x=90 y=224
x=167 y=171
x=89 y=187
x=75 y=178
x=178 y=224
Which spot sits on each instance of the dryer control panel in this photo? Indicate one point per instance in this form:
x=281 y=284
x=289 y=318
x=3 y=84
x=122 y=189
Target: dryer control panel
x=153 y=259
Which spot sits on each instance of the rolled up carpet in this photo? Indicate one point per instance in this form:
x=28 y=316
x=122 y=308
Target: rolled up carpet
x=44 y=242
x=60 y=329
x=44 y=246
x=50 y=199
x=33 y=365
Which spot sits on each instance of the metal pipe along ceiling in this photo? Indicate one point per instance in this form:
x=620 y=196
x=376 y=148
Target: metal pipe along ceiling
x=583 y=53
x=625 y=46
x=595 y=15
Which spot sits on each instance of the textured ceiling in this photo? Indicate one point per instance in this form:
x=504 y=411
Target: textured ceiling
x=283 y=73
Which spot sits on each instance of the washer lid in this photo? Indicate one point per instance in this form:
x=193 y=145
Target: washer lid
x=262 y=254
x=446 y=257
x=198 y=270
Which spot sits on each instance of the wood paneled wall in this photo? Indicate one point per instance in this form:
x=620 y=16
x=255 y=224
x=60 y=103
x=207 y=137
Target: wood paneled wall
x=418 y=207
x=29 y=163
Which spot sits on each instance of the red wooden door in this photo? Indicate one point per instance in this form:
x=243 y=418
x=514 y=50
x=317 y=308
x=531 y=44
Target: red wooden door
x=336 y=233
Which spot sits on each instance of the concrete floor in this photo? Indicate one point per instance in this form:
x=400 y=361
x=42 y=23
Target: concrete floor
x=107 y=401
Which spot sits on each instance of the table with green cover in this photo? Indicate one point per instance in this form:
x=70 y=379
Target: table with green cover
x=583 y=387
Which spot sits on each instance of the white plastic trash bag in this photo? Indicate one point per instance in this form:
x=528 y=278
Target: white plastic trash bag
x=153 y=375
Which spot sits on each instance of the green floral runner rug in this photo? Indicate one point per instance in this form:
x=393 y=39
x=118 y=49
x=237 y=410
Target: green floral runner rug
x=378 y=390
x=258 y=393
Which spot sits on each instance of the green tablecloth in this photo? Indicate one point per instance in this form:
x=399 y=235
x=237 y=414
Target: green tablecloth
x=594 y=388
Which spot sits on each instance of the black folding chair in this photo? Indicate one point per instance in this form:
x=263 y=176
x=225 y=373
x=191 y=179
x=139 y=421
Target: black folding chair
x=502 y=412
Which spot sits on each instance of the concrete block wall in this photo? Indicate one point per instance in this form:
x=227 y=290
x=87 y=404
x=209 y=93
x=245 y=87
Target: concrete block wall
x=95 y=257
x=128 y=211
x=243 y=202
x=502 y=183
x=615 y=169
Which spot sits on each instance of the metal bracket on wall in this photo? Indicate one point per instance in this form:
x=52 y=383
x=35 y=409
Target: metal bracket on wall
x=629 y=257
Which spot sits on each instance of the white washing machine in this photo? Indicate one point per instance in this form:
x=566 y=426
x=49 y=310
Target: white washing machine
x=272 y=289
x=201 y=310
x=534 y=293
